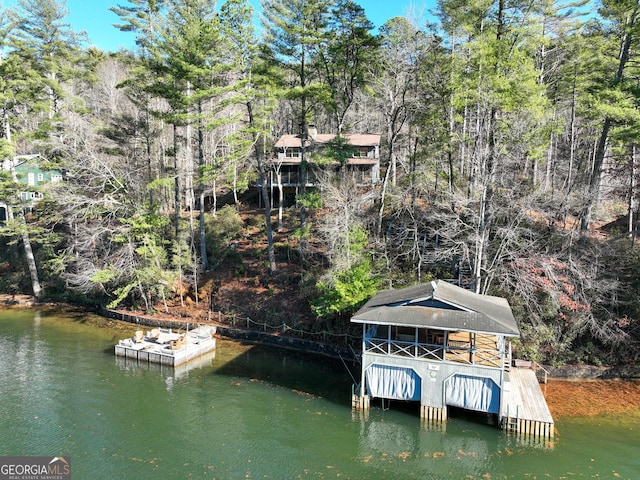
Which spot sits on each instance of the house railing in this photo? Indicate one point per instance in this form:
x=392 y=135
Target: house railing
x=452 y=352
x=292 y=178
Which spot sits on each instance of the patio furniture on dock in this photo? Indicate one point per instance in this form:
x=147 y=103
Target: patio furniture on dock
x=167 y=347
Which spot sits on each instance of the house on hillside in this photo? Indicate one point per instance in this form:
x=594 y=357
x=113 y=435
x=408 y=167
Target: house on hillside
x=444 y=346
x=362 y=164
x=33 y=173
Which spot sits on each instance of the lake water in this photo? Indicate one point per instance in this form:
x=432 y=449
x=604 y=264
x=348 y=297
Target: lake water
x=254 y=412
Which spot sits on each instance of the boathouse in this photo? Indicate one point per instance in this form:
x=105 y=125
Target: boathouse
x=445 y=346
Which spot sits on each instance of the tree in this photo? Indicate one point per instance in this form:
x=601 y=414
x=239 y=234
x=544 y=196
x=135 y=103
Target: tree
x=345 y=58
x=143 y=18
x=351 y=278
x=294 y=29
x=50 y=47
x=625 y=18
x=254 y=88
x=43 y=55
x=499 y=82
x=394 y=82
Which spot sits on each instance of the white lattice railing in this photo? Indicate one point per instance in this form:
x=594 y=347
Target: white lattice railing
x=425 y=351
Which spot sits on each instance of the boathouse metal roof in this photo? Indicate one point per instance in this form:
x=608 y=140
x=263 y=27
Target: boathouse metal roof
x=439 y=305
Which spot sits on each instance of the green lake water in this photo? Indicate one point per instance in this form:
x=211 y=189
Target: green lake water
x=252 y=412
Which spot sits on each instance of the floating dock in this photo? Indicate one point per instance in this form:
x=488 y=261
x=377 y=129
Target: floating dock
x=167 y=347
x=524 y=408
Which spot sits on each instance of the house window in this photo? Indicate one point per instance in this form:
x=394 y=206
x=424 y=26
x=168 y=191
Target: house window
x=31 y=178
x=41 y=177
x=292 y=153
x=56 y=177
x=362 y=152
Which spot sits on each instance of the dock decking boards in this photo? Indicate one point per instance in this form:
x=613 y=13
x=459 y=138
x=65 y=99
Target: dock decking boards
x=524 y=408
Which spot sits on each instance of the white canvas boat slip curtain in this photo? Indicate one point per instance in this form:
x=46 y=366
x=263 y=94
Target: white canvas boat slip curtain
x=397 y=383
x=473 y=393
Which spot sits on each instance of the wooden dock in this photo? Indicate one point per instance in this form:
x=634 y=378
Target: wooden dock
x=524 y=408
x=166 y=347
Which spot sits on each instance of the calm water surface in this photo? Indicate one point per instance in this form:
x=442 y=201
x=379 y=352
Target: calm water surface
x=253 y=412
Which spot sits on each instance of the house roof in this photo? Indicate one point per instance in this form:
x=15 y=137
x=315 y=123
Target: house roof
x=12 y=162
x=355 y=139
x=440 y=305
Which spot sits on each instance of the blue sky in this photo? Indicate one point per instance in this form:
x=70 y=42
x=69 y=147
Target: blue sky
x=94 y=17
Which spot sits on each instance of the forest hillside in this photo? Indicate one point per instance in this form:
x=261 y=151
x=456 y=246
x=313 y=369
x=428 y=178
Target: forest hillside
x=149 y=180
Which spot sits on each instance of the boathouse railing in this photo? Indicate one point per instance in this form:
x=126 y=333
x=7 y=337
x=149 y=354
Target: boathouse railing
x=452 y=352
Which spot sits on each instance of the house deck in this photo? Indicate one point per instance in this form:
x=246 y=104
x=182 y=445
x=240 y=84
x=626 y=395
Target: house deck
x=524 y=408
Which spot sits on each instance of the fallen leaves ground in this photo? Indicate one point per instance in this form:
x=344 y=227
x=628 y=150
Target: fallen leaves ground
x=589 y=398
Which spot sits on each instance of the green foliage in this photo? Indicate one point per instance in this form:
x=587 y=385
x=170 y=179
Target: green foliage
x=7 y=150
x=310 y=199
x=540 y=344
x=147 y=272
x=302 y=233
x=346 y=292
x=222 y=229
x=339 y=150
x=352 y=279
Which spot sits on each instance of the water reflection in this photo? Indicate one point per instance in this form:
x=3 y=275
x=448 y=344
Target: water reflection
x=254 y=412
x=170 y=374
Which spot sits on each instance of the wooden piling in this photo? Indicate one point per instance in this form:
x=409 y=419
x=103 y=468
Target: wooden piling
x=433 y=414
x=360 y=402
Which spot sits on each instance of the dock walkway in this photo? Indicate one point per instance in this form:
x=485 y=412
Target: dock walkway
x=524 y=408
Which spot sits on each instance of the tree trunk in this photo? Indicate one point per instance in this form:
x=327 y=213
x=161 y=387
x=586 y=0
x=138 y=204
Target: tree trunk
x=204 y=260
x=262 y=171
x=280 y=200
x=31 y=261
x=596 y=174
x=632 y=194
x=176 y=182
x=385 y=183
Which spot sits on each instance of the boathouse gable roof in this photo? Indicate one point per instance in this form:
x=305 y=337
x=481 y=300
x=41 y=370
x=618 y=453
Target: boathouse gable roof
x=439 y=305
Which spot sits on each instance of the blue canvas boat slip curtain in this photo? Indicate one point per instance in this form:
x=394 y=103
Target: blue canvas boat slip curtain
x=473 y=393
x=397 y=383
x=384 y=381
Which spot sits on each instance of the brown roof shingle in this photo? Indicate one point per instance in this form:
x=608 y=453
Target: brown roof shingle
x=355 y=139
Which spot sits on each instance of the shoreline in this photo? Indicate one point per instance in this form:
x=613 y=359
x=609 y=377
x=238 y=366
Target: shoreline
x=572 y=391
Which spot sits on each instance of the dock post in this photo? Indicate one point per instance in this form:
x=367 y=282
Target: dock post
x=360 y=402
x=433 y=415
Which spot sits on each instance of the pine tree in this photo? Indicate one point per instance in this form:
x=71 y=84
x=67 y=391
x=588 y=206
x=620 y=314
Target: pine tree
x=254 y=91
x=624 y=16
x=294 y=30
